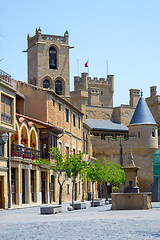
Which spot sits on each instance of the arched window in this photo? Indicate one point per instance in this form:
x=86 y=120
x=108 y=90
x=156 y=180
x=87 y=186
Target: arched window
x=58 y=87
x=46 y=84
x=52 y=58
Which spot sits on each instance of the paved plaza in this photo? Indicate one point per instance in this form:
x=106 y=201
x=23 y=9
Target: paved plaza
x=87 y=224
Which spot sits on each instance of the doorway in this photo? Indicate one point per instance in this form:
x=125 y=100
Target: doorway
x=52 y=188
x=43 y=186
x=23 y=185
x=1 y=192
x=13 y=184
x=32 y=185
x=75 y=193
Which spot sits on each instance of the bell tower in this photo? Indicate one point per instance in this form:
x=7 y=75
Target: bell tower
x=48 y=62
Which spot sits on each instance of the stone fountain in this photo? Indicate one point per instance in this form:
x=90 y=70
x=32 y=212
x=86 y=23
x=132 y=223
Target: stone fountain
x=131 y=198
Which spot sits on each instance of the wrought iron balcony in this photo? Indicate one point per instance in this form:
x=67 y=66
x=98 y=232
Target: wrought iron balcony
x=5 y=76
x=5 y=117
x=24 y=152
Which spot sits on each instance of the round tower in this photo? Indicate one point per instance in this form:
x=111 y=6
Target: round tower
x=143 y=127
x=143 y=139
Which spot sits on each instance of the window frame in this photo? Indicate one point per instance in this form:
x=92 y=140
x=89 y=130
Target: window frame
x=52 y=58
x=67 y=114
x=74 y=119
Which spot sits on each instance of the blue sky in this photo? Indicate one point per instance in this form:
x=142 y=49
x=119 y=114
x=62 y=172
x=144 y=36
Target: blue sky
x=126 y=33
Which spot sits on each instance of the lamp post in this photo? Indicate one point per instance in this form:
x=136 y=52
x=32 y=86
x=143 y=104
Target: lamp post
x=4 y=138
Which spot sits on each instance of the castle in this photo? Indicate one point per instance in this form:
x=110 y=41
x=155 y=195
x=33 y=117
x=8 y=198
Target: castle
x=43 y=113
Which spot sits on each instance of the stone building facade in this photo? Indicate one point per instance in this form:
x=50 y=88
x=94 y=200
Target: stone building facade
x=46 y=114
x=141 y=137
x=95 y=99
x=7 y=125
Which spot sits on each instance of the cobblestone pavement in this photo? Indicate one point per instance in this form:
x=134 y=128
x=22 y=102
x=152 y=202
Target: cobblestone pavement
x=87 y=224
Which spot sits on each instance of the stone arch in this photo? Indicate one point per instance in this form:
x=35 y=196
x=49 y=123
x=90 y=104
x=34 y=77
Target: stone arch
x=60 y=79
x=33 y=138
x=48 y=78
x=24 y=134
x=57 y=50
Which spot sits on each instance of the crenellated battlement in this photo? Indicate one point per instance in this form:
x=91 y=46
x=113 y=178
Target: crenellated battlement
x=39 y=37
x=53 y=37
x=107 y=81
x=83 y=81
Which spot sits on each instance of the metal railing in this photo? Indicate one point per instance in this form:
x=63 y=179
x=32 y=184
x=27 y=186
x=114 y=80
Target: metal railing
x=5 y=117
x=5 y=76
x=24 y=152
x=35 y=154
x=16 y=150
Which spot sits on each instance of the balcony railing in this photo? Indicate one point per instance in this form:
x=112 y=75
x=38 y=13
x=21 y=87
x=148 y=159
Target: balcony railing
x=24 y=152
x=35 y=154
x=5 y=117
x=5 y=76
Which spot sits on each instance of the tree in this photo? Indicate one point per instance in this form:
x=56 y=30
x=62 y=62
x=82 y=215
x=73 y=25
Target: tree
x=94 y=173
x=58 y=165
x=74 y=165
x=113 y=174
x=108 y=172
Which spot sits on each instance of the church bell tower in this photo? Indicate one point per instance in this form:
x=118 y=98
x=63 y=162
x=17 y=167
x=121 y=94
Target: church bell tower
x=48 y=62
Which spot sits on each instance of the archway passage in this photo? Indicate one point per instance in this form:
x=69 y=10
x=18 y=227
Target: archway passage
x=58 y=87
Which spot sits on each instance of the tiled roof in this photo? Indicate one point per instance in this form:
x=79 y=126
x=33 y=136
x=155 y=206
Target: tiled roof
x=142 y=114
x=106 y=125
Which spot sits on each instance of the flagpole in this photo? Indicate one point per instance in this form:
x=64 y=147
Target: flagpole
x=88 y=67
x=78 y=66
x=107 y=67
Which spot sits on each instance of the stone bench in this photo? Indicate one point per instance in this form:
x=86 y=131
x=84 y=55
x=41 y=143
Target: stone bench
x=51 y=209
x=80 y=205
x=97 y=203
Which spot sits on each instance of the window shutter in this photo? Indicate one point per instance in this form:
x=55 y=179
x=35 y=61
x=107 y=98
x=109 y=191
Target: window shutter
x=8 y=105
x=2 y=103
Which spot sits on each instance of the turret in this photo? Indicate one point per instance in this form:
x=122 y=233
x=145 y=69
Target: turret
x=143 y=127
x=153 y=91
x=134 y=97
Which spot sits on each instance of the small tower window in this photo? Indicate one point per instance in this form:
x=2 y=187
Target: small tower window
x=139 y=134
x=67 y=115
x=52 y=58
x=153 y=134
x=74 y=120
x=58 y=87
x=46 y=84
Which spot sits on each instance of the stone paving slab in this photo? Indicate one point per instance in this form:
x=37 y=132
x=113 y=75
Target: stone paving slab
x=87 y=224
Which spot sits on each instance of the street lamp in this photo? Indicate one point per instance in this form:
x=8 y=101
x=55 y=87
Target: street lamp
x=4 y=138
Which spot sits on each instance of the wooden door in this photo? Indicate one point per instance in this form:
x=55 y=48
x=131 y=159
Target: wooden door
x=1 y=192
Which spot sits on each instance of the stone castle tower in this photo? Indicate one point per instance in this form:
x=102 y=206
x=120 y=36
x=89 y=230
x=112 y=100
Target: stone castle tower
x=48 y=62
x=100 y=91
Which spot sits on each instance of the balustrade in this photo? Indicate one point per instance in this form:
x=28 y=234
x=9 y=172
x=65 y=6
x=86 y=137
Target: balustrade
x=24 y=152
x=5 y=117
